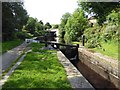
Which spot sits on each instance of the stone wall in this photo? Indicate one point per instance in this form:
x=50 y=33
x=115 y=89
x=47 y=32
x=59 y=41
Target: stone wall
x=76 y=79
x=103 y=65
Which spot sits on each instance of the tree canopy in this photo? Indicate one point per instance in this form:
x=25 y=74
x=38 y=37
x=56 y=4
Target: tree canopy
x=47 y=26
x=75 y=25
x=100 y=9
x=14 y=16
x=64 y=20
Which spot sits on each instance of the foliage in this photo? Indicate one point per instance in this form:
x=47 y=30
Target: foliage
x=39 y=70
x=31 y=25
x=62 y=26
x=47 y=26
x=7 y=45
x=112 y=28
x=14 y=16
x=39 y=27
x=111 y=49
x=55 y=26
x=75 y=25
x=35 y=27
x=93 y=36
x=23 y=34
x=109 y=31
x=41 y=22
x=113 y=18
x=100 y=9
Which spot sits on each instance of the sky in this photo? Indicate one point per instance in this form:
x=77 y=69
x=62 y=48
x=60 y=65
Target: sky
x=49 y=10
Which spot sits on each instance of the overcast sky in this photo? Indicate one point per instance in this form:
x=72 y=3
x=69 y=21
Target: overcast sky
x=49 y=10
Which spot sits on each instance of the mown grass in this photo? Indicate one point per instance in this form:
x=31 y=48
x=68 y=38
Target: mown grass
x=39 y=69
x=5 y=46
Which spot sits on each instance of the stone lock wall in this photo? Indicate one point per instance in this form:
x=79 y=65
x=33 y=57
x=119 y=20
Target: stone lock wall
x=103 y=65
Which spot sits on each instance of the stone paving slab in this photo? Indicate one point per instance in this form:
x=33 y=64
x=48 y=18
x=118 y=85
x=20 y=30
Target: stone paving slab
x=9 y=57
x=76 y=79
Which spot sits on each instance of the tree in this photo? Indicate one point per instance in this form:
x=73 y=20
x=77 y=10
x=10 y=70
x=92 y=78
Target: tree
x=47 y=26
x=64 y=20
x=75 y=25
x=14 y=16
x=31 y=25
x=100 y=9
x=41 y=22
x=55 y=26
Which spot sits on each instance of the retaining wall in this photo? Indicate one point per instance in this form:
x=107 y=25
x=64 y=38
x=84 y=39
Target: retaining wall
x=75 y=78
x=103 y=65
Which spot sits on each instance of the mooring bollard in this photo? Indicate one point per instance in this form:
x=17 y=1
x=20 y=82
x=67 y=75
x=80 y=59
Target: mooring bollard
x=45 y=38
x=52 y=45
x=57 y=46
x=83 y=40
x=45 y=44
x=77 y=58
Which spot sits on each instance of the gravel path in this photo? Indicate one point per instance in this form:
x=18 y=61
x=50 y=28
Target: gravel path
x=9 y=57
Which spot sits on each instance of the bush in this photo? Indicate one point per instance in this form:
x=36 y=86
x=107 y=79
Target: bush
x=22 y=35
x=93 y=36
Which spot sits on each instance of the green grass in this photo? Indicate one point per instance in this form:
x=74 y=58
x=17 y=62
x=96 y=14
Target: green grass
x=39 y=69
x=111 y=49
x=9 y=45
x=77 y=43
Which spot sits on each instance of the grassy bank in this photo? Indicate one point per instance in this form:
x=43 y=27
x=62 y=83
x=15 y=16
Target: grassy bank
x=9 y=45
x=110 y=49
x=39 y=69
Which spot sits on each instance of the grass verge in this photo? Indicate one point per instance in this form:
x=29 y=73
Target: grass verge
x=9 y=45
x=39 y=69
x=111 y=49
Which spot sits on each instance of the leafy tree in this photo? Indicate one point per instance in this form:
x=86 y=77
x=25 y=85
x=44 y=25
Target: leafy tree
x=100 y=9
x=47 y=26
x=41 y=22
x=14 y=16
x=112 y=28
x=64 y=20
x=96 y=35
x=39 y=28
x=55 y=26
x=31 y=25
x=75 y=25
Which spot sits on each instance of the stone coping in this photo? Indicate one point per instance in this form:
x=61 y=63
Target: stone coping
x=75 y=78
x=103 y=65
x=105 y=62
